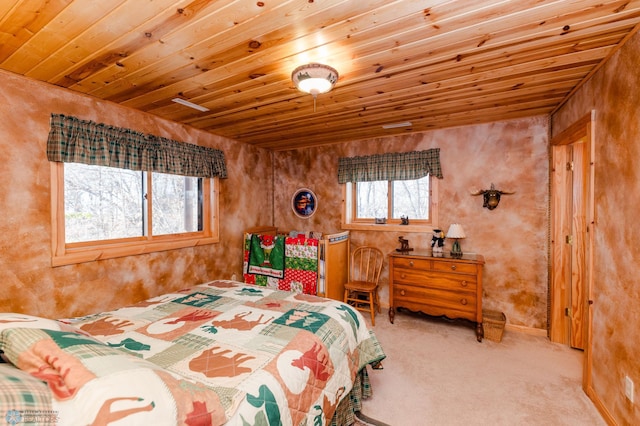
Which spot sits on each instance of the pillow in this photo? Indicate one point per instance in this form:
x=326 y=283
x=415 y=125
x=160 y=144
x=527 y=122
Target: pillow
x=88 y=380
x=21 y=393
x=10 y=320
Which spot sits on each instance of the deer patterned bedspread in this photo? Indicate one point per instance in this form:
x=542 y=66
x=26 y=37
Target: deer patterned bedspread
x=223 y=352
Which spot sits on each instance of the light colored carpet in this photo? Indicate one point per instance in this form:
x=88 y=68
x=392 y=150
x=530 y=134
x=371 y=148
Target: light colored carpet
x=436 y=373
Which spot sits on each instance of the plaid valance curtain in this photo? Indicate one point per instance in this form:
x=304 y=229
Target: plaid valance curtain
x=390 y=166
x=72 y=140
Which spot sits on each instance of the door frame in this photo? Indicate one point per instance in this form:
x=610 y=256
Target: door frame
x=582 y=130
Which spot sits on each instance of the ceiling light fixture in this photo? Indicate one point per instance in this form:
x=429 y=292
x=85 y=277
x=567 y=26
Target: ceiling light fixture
x=190 y=104
x=396 y=125
x=314 y=78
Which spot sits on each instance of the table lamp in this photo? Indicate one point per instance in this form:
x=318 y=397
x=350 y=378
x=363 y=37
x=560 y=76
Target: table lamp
x=456 y=232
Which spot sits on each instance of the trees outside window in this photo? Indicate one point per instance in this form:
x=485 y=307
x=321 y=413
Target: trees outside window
x=392 y=200
x=111 y=212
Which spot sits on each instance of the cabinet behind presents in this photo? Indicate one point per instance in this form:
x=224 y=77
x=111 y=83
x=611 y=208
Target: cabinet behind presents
x=334 y=265
x=438 y=286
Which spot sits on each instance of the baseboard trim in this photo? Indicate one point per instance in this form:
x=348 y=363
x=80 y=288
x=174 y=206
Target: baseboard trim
x=526 y=330
x=604 y=412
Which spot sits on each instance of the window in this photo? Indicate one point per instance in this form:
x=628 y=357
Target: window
x=392 y=200
x=101 y=203
x=391 y=187
x=110 y=212
x=177 y=204
x=119 y=192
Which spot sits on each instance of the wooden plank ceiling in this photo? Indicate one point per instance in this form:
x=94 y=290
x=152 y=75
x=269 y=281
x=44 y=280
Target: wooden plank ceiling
x=433 y=63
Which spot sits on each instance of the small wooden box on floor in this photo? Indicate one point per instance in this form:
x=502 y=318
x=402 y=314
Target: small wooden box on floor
x=493 y=322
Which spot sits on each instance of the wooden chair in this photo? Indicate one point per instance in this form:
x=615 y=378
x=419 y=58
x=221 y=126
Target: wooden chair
x=361 y=291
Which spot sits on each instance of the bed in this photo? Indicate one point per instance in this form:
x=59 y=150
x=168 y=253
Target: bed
x=223 y=352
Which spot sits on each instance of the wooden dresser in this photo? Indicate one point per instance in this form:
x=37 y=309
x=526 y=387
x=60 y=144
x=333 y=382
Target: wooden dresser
x=437 y=286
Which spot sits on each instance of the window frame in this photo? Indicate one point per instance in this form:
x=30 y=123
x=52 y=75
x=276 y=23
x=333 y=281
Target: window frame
x=64 y=253
x=349 y=220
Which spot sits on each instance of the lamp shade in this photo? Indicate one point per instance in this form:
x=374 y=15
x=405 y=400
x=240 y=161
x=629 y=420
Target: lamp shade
x=314 y=78
x=456 y=231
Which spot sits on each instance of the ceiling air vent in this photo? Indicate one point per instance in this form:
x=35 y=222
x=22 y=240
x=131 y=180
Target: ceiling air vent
x=396 y=125
x=190 y=104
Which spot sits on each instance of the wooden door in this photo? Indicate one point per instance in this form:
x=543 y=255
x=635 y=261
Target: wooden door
x=572 y=225
x=561 y=212
x=579 y=290
x=569 y=230
x=573 y=215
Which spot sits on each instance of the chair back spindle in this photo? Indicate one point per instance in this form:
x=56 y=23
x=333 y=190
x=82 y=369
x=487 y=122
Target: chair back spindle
x=364 y=272
x=366 y=264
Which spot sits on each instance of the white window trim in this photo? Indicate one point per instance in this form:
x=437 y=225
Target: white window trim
x=72 y=253
x=348 y=221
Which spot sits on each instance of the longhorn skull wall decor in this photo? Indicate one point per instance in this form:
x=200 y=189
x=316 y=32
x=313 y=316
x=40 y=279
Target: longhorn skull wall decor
x=491 y=196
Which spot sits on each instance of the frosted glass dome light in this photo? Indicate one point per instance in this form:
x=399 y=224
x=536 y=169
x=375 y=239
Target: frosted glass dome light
x=314 y=78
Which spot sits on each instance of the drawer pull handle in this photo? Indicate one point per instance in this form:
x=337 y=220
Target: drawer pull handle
x=463 y=301
x=401 y=292
x=464 y=283
x=411 y=263
x=453 y=267
x=403 y=276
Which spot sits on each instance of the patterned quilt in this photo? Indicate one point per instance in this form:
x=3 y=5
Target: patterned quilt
x=223 y=352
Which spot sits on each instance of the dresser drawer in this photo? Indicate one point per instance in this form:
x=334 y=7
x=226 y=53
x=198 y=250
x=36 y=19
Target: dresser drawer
x=436 y=265
x=461 y=268
x=458 y=304
x=421 y=264
x=433 y=279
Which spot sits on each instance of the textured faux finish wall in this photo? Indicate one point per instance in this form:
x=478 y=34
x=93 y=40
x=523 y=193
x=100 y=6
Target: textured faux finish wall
x=613 y=93
x=513 y=238
x=28 y=282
